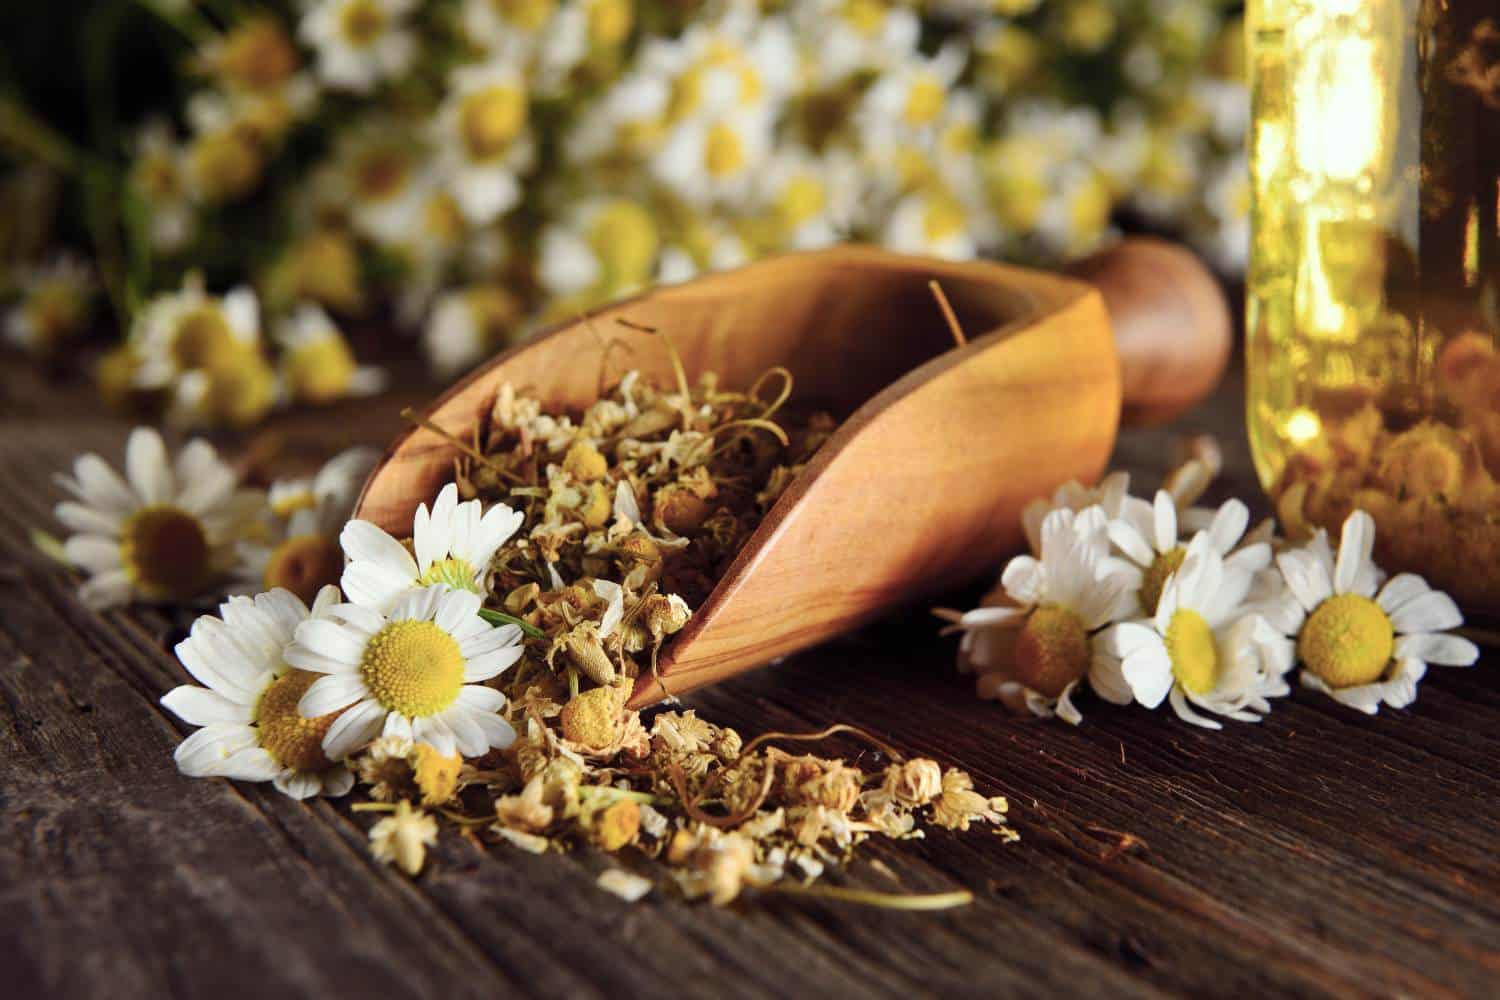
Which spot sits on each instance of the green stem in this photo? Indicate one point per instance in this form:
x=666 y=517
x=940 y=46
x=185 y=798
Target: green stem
x=29 y=135
x=882 y=900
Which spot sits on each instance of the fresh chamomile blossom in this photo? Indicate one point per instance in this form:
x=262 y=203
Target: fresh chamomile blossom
x=317 y=364
x=453 y=545
x=164 y=532
x=254 y=55
x=807 y=201
x=204 y=353
x=359 y=43
x=907 y=102
x=468 y=325
x=1033 y=653
x=931 y=221
x=605 y=246
x=299 y=550
x=247 y=705
x=158 y=178
x=855 y=36
x=1149 y=536
x=1200 y=648
x=506 y=27
x=737 y=64
x=482 y=139
x=1361 y=643
x=376 y=172
x=414 y=672
x=53 y=308
x=715 y=159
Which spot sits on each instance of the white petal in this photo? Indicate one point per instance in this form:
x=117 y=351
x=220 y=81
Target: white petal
x=354 y=729
x=88 y=520
x=362 y=541
x=1433 y=611
x=106 y=590
x=373 y=586
x=331 y=639
x=468 y=735
x=1228 y=525
x=435 y=733
x=1400 y=589
x=330 y=693
x=497 y=732
x=201 y=707
x=481 y=699
x=1164 y=521
x=200 y=755
x=1186 y=714
x=146 y=466
x=254 y=764
x=491 y=664
x=457 y=610
x=1107 y=679
x=298 y=784
x=1441 y=648
x=1148 y=671
x=1355 y=546
x=337 y=781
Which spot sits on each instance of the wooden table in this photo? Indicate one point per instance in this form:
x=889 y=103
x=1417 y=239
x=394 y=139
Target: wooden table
x=1320 y=852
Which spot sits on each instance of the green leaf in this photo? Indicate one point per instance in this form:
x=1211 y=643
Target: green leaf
x=498 y=618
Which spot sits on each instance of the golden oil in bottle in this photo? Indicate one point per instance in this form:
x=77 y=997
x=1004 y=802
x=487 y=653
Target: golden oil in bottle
x=1372 y=312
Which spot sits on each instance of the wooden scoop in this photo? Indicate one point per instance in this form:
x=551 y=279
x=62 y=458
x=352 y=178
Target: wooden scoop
x=940 y=446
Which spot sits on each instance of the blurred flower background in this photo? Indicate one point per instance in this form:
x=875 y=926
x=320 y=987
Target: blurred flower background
x=219 y=192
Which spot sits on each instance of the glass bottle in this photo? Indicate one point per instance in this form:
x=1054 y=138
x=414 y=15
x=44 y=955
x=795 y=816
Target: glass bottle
x=1373 y=295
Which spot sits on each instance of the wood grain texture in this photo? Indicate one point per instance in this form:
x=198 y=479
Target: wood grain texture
x=1320 y=853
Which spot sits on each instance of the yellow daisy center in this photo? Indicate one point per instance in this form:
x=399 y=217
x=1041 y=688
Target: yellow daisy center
x=203 y=340
x=319 y=371
x=624 y=238
x=413 y=667
x=528 y=14
x=924 y=101
x=865 y=16
x=943 y=217
x=456 y=573
x=490 y=119
x=436 y=775
x=609 y=21
x=1052 y=650
x=1347 y=640
x=723 y=151
x=304 y=565
x=295 y=742
x=1154 y=580
x=362 y=21
x=802 y=199
x=226 y=163
x=1193 y=652
x=242 y=388
x=165 y=552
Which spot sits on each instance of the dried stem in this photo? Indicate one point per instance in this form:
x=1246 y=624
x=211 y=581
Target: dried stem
x=882 y=900
x=948 y=313
x=823 y=734
x=468 y=449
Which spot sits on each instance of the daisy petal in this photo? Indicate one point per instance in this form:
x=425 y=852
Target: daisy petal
x=1441 y=648
x=1433 y=611
x=147 y=468
x=330 y=693
x=354 y=729
x=201 y=707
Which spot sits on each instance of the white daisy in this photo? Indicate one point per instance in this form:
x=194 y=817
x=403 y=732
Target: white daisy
x=54 y=306
x=854 y=37
x=468 y=325
x=607 y=245
x=1201 y=647
x=810 y=200
x=930 y=221
x=453 y=544
x=1358 y=645
x=907 y=101
x=1034 y=653
x=1148 y=535
x=205 y=353
x=317 y=365
x=1109 y=496
x=359 y=42
x=376 y=175
x=710 y=159
x=158 y=177
x=247 y=707
x=300 y=551
x=411 y=673
x=166 y=532
x=483 y=142
x=509 y=27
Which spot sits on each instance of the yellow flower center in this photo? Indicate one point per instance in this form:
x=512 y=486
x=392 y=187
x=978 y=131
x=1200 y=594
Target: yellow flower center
x=226 y=163
x=380 y=174
x=325 y=267
x=1154 y=580
x=242 y=389
x=865 y=16
x=1193 y=652
x=203 y=340
x=723 y=151
x=803 y=198
x=436 y=775
x=304 y=565
x=258 y=55
x=456 y=573
x=362 y=21
x=943 y=218
x=527 y=14
x=490 y=119
x=609 y=21
x=165 y=552
x=443 y=219
x=1052 y=650
x=924 y=101
x=624 y=238
x=319 y=371
x=1347 y=641
x=413 y=667
x=295 y=742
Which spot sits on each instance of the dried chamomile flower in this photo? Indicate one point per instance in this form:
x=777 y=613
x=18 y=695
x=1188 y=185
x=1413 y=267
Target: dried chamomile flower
x=958 y=805
x=913 y=783
x=402 y=838
x=396 y=768
x=627 y=885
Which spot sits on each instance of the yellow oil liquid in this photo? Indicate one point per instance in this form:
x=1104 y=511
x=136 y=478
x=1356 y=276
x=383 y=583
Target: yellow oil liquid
x=1372 y=312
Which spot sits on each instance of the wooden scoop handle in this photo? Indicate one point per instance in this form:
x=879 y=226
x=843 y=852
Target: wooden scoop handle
x=1171 y=325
